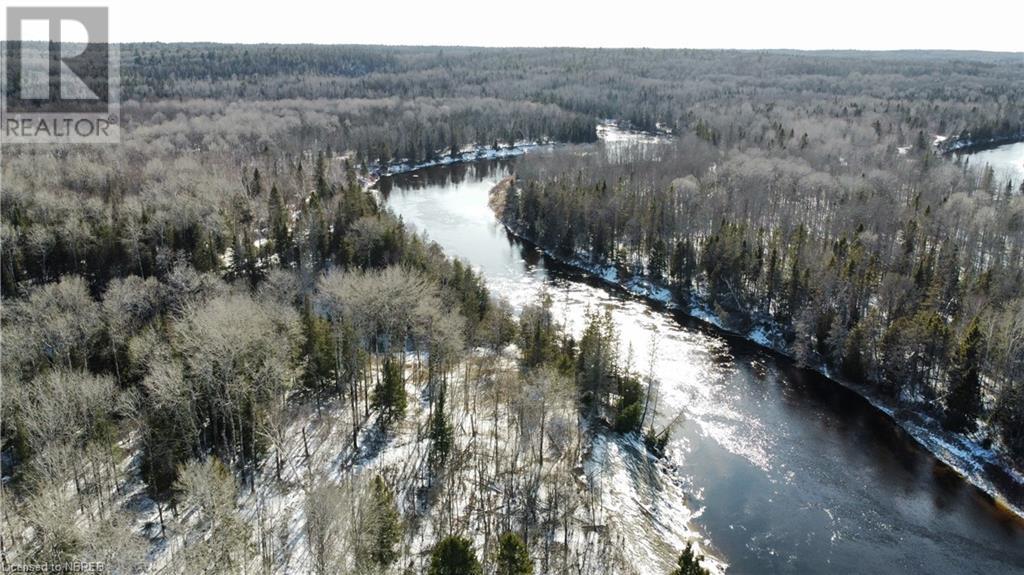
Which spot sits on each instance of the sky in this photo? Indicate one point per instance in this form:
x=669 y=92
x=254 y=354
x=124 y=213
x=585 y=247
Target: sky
x=994 y=25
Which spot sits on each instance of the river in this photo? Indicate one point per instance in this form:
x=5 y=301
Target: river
x=775 y=469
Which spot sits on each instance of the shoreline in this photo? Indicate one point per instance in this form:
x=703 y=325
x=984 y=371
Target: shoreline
x=969 y=146
x=468 y=155
x=965 y=456
x=608 y=130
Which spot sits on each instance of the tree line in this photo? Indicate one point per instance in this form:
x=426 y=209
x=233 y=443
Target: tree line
x=411 y=102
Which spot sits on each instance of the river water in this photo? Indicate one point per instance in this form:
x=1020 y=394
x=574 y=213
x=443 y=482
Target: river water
x=773 y=468
x=1007 y=162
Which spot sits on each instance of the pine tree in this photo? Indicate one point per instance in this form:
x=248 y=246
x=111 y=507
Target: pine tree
x=389 y=395
x=256 y=186
x=853 y=358
x=513 y=557
x=689 y=563
x=317 y=351
x=682 y=264
x=1009 y=415
x=440 y=433
x=630 y=407
x=279 y=225
x=245 y=263
x=921 y=144
x=537 y=334
x=596 y=361
x=771 y=279
x=964 y=400
x=454 y=555
x=324 y=190
x=657 y=263
x=386 y=527
x=567 y=246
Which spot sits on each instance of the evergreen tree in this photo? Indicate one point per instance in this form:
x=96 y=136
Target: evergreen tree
x=245 y=263
x=689 y=563
x=324 y=190
x=279 y=234
x=657 y=263
x=454 y=555
x=853 y=359
x=1009 y=415
x=964 y=400
x=389 y=395
x=256 y=187
x=317 y=351
x=386 y=527
x=538 y=334
x=567 y=247
x=772 y=279
x=205 y=257
x=513 y=557
x=596 y=363
x=682 y=265
x=630 y=407
x=440 y=433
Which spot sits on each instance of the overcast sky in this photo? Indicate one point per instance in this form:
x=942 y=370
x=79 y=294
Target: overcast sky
x=801 y=24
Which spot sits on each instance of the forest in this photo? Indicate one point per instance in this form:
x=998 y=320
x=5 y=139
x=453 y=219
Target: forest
x=388 y=103
x=908 y=279
x=227 y=370
x=223 y=353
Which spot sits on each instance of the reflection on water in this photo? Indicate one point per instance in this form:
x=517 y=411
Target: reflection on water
x=779 y=468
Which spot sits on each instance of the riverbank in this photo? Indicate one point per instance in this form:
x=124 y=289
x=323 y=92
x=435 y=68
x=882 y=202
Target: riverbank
x=986 y=468
x=469 y=154
x=968 y=145
x=608 y=130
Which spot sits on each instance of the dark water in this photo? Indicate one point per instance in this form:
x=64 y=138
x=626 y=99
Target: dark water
x=773 y=468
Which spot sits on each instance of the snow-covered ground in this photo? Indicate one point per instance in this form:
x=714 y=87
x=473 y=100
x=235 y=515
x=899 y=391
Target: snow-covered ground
x=601 y=491
x=611 y=131
x=468 y=154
